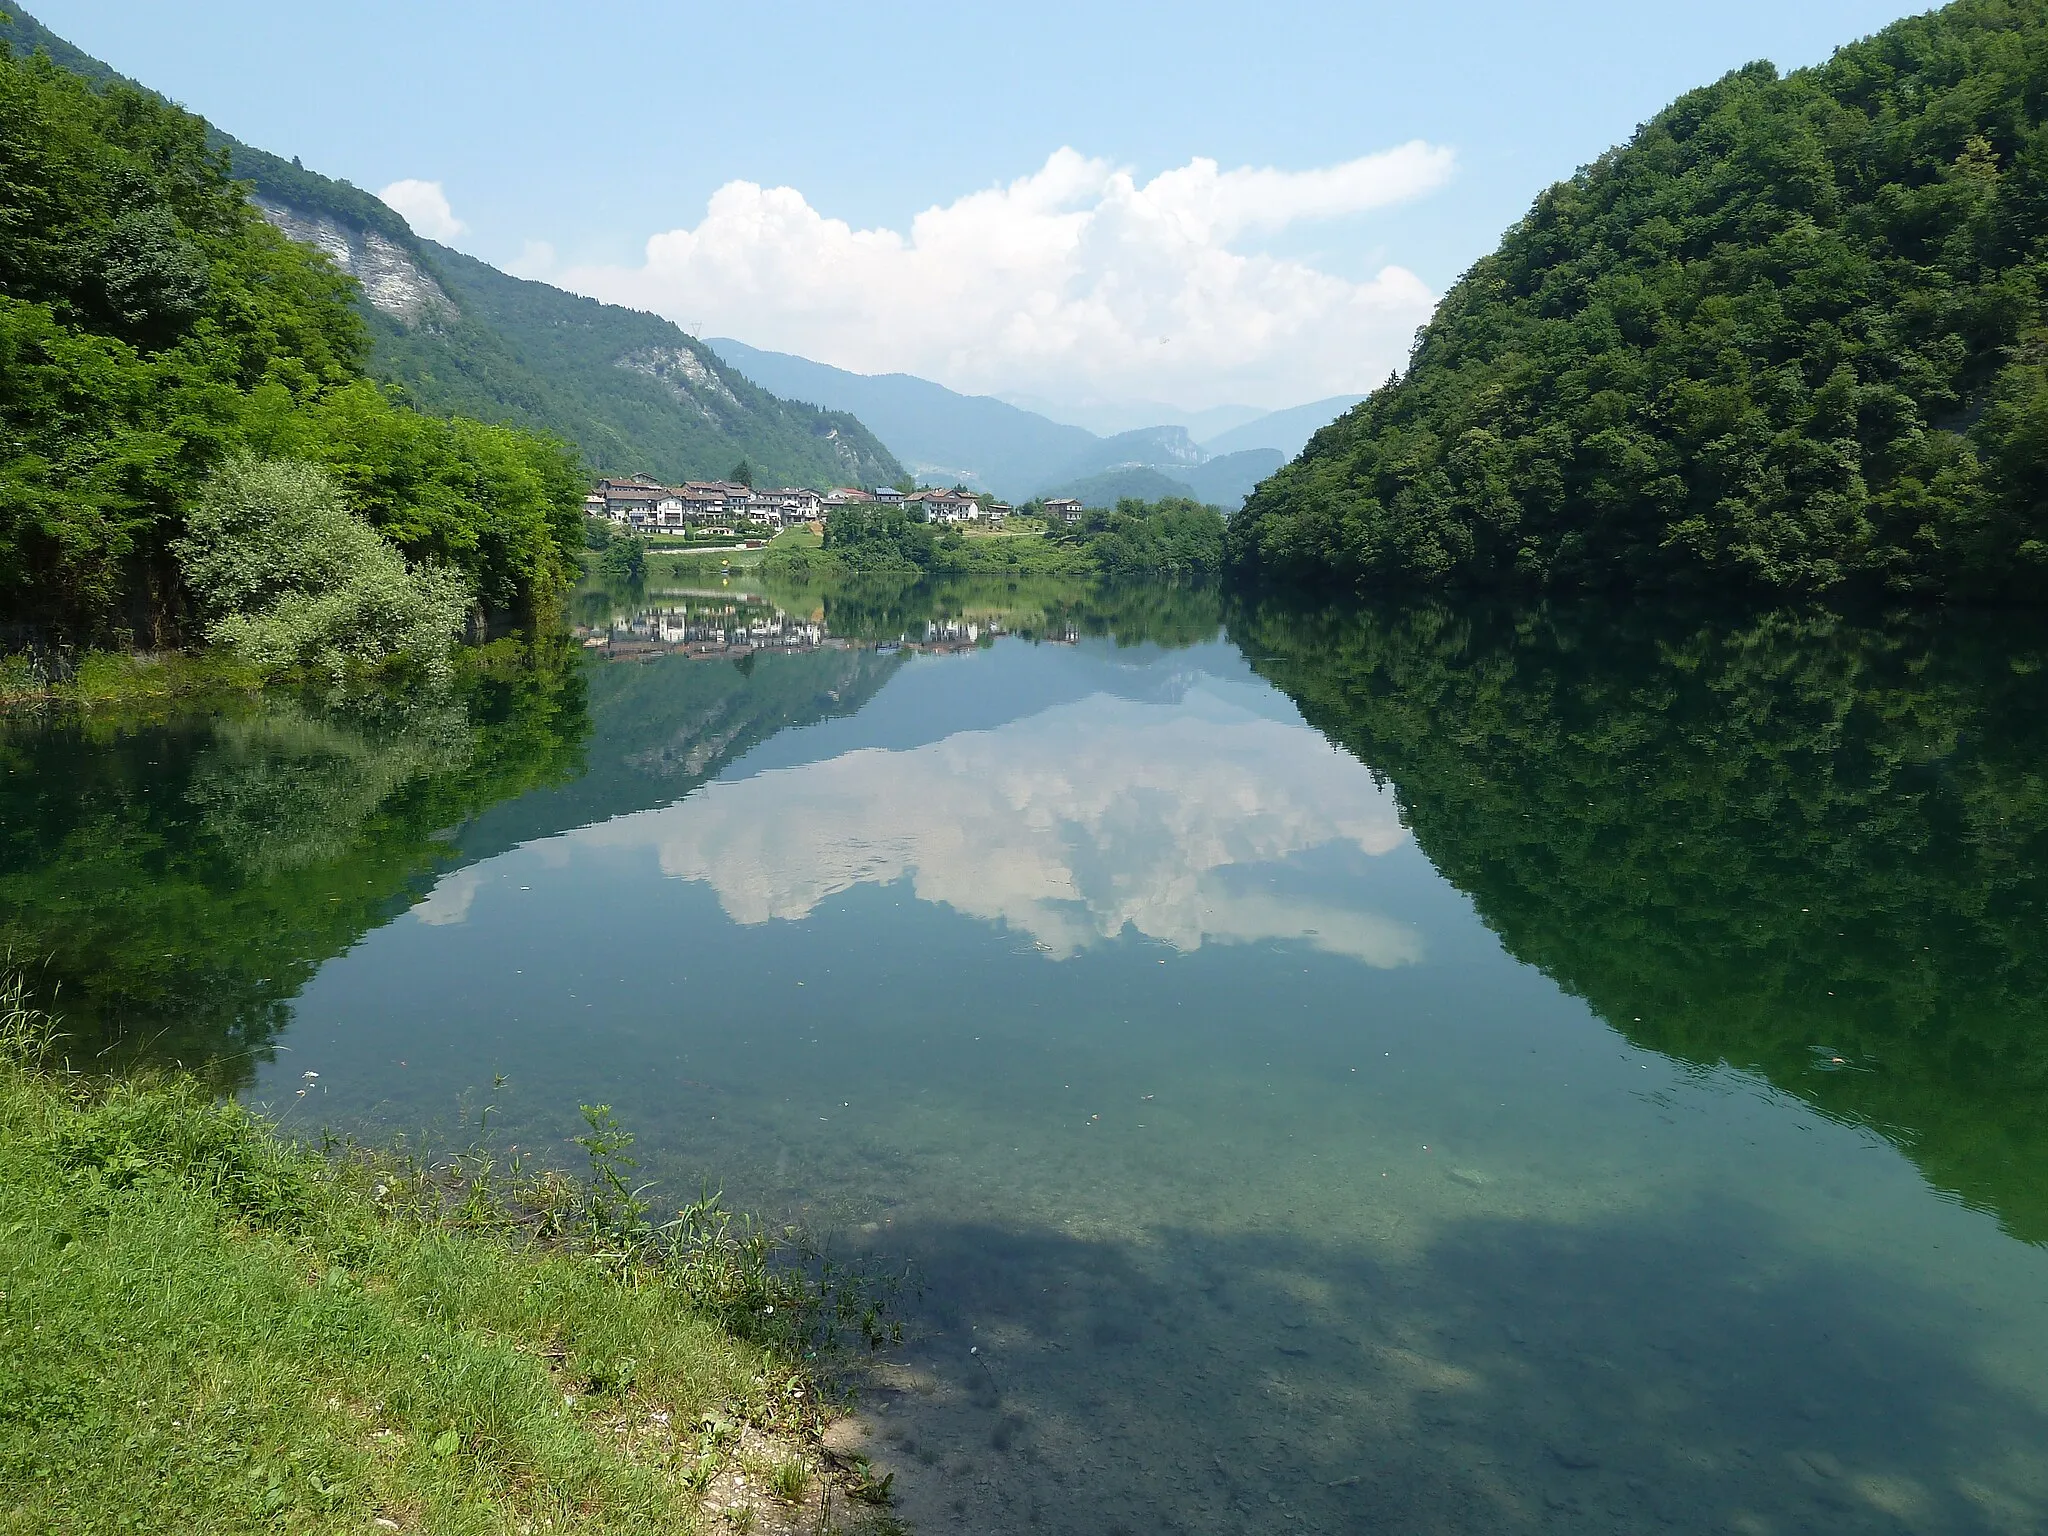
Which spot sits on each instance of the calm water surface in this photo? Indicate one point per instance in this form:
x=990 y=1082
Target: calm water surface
x=1416 y=1071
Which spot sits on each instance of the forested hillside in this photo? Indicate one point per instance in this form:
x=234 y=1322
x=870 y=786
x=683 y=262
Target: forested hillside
x=630 y=390
x=1790 y=338
x=188 y=439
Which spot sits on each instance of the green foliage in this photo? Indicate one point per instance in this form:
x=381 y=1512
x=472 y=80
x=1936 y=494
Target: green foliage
x=286 y=576
x=878 y=539
x=153 y=325
x=624 y=561
x=1808 y=848
x=1175 y=537
x=1789 y=338
x=235 y=1333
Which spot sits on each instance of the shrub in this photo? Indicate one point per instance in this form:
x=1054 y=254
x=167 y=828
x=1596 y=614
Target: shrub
x=288 y=576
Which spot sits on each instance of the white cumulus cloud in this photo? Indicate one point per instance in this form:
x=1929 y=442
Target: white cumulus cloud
x=1076 y=278
x=424 y=205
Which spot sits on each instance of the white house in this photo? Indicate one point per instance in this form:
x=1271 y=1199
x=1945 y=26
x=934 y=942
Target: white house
x=946 y=506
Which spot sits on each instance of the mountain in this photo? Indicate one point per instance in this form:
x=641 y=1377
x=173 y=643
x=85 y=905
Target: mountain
x=1107 y=487
x=1107 y=418
x=1167 y=449
x=1787 y=339
x=1166 y=461
x=940 y=434
x=1225 y=481
x=993 y=445
x=630 y=390
x=1286 y=432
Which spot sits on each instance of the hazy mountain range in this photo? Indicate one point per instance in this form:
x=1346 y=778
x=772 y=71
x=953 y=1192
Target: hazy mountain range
x=994 y=445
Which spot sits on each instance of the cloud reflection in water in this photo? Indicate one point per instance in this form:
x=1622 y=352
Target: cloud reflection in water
x=1069 y=826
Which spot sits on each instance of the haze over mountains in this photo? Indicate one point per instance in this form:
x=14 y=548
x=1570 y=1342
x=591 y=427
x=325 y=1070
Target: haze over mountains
x=995 y=445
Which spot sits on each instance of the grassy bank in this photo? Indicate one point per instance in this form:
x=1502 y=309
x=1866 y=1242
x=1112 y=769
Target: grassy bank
x=207 y=1327
x=112 y=677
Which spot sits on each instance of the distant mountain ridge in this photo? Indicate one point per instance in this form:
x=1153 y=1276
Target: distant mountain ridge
x=631 y=390
x=1286 y=432
x=938 y=433
x=992 y=445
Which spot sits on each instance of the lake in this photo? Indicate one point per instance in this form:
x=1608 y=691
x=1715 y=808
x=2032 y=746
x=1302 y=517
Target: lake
x=1424 y=1069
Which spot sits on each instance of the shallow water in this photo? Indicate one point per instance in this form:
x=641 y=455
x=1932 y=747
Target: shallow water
x=1384 y=1122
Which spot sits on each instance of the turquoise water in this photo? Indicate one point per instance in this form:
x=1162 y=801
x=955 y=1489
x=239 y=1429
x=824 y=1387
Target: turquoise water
x=1438 y=1116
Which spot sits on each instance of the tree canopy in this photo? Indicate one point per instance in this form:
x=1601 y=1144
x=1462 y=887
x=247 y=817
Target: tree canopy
x=153 y=326
x=1791 y=337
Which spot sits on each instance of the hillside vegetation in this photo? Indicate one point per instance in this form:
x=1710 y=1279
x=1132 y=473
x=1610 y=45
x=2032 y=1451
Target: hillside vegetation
x=1791 y=337
x=154 y=330
x=629 y=390
x=1173 y=538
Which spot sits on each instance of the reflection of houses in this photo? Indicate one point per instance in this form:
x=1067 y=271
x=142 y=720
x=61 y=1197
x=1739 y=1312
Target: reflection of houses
x=701 y=629
x=707 y=626
x=1064 y=509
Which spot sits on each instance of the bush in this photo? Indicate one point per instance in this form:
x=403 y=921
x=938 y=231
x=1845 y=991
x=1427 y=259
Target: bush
x=624 y=560
x=287 y=576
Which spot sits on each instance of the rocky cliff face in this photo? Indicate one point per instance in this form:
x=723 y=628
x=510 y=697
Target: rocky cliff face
x=392 y=280
x=685 y=375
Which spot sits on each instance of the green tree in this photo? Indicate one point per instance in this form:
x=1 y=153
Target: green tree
x=742 y=474
x=153 y=326
x=1787 y=339
x=624 y=562
x=287 y=576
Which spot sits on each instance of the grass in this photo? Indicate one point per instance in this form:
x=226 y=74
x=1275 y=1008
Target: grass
x=118 y=677
x=205 y=1327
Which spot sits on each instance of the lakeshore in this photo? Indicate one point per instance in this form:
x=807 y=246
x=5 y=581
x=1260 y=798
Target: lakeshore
x=207 y=1325
x=1191 y=1017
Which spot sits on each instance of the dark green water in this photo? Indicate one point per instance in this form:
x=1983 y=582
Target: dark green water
x=1422 y=1070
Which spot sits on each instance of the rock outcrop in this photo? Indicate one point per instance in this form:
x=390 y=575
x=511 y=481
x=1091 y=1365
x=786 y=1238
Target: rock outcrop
x=393 y=281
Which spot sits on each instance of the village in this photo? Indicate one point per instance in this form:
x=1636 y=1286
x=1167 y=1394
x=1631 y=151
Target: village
x=726 y=508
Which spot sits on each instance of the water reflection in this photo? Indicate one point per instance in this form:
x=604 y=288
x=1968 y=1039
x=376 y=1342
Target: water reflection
x=1808 y=847
x=175 y=883
x=1071 y=826
x=1425 y=1069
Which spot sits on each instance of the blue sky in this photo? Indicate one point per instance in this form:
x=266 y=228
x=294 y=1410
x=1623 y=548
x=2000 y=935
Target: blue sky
x=563 y=138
